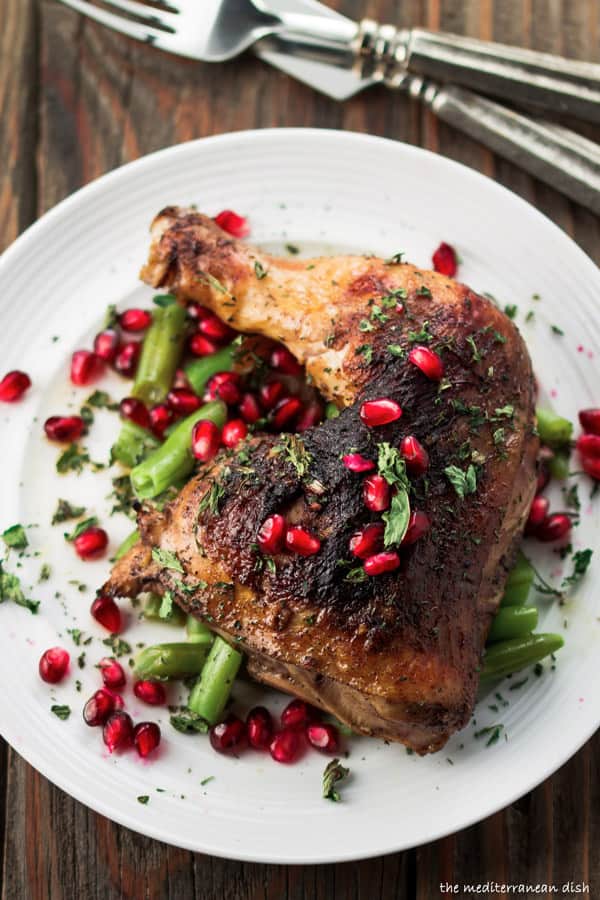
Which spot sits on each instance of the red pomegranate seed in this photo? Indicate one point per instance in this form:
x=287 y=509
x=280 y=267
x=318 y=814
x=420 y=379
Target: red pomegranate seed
x=382 y=562
x=235 y=225
x=428 y=362
x=591 y=466
x=183 y=402
x=160 y=419
x=540 y=507
x=196 y=311
x=117 y=733
x=249 y=408
x=227 y=736
x=295 y=715
x=282 y=360
x=214 y=329
x=271 y=534
x=590 y=420
x=146 y=737
x=133 y=409
x=367 y=540
x=206 y=439
x=445 y=260
x=13 y=386
x=312 y=416
x=127 y=358
x=151 y=692
x=285 y=745
x=91 y=543
x=357 y=463
x=107 y=613
x=86 y=367
x=112 y=672
x=376 y=493
x=224 y=386
x=202 y=346
x=418 y=525
x=100 y=706
x=589 y=445
x=553 y=527
x=323 y=736
x=259 y=727
x=135 y=320
x=106 y=345
x=415 y=455
x=285 y=412
x=53 y=665
x=400 y=308
x=64 y=429
x=299 y=540
x=233 y=432
x=270 y=393
x=380 y=412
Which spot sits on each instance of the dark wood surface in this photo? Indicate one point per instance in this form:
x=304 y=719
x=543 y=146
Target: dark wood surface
x=76 y=101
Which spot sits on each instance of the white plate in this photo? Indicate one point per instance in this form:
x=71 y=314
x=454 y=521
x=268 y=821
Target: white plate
x=315 y=188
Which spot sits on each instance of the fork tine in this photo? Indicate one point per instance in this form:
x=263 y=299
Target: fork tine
x=153 y=15
x=144 y=33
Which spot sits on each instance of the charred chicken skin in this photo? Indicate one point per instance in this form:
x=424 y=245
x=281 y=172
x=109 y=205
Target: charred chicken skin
x=394 y=655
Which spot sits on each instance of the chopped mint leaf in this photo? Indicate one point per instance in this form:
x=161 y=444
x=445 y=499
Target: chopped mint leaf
x=423 y=291
x=396 y=350
x=556 y=330
x=163 y=300
x=101 y=400
x=492 y=732
x=65 y=511
x=511 y=310
x=291 y=248
x=259 y=270
x=118 y=646
x=15 y=537
x=10 y=589
x=395 y=259
x=72 y=459
x=80 y=528
x=143 y=799
x=333 y=774
x=581 y=560
x=63 y=712
x=463 y=482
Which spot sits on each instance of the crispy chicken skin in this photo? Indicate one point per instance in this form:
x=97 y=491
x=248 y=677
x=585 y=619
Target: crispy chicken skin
x=397 y=655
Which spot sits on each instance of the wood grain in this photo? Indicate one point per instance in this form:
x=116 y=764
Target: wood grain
x=77 y=101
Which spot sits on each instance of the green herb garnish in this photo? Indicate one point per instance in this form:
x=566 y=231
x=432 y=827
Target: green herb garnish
x=333 y=774
x=166 y=559
x=15 y=537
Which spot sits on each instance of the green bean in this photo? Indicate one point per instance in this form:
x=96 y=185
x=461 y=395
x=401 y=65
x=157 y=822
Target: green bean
x=196 y=630
x=211 y=692
x=513 y=622
x=510 y=656
x=132 y=444
x=169 y=661
x=554 y=431
x=200 y=370
x=558 y=464
x=127 y=544
x=161 y=352
x=331 y=411
x=518 y=583
x=151 y=611
x=173 y=460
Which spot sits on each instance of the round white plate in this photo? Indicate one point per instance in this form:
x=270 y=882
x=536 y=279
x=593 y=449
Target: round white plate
x=324 y=191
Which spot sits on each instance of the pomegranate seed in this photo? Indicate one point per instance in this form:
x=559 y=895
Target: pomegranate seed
x=271 y=534
x=135 y=319
x=224 y=386
x=13 y=386
x=445 y=260
x=86 y=367
x=107 y=613
x=206 y=439
x=285 y=745
x=100 y=706
x=259 y=727
x=146 y=737
x=312 y=416
x=117 y=733
x=112 y=672
x=183 y=402
x=282 y=360
x=160 y=419
x=133 y=409
x=249 y=408
x=151 y=692
x=64 y=429
x=591 y=467
x=553 y=527
x=127 y=358
x=418 y=525
x=382 y=562
x=53 y=665
x=202 y=346
x=235 y=225
x=357 y=463
x=214 y=329
x=590 y=420
x=227 y=736
x=415 y=455
x=301 y=541
x=323 y=736
x=285 y=412
x=379 y=412
x=233 y=432
x=270 y=393
x=428 y=362
x=589 y=445
x=367 y=540
x=537 y=513
x=376 y=493
x=106 y=345
x=295 y=715
x=197 y=312
x=91 y=543
x=400 y=308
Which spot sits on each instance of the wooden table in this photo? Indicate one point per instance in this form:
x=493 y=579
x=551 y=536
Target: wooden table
x=77 y=101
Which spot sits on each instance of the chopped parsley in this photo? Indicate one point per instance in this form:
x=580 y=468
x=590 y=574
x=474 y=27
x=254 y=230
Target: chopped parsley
x=72 y=459
x=556 y=330
x=367 y=351
x=15 y=537
x=581 y=560
x=476 y=357
x=423 y=336
x=45 y=572
x=63 y=712
x=463 y=482
x=334 y=773
x=124 y=497
x=118 y=646
x=144 y=799
x=66 y=510
x=492 y=732
x=166 y=559
x=291 y=248
x=511 y=310
x=206 y=780
x=80 y=528
x=396 y=350
x=395 y=259
x=296 y=454
x=423 y=291
x=101 y=400
x=364 y=325
x=10 y=589
x=259 y=270
x=212 y=498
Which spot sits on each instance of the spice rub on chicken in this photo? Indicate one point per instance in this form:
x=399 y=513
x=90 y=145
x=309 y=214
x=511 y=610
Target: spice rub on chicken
x=390 y=529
